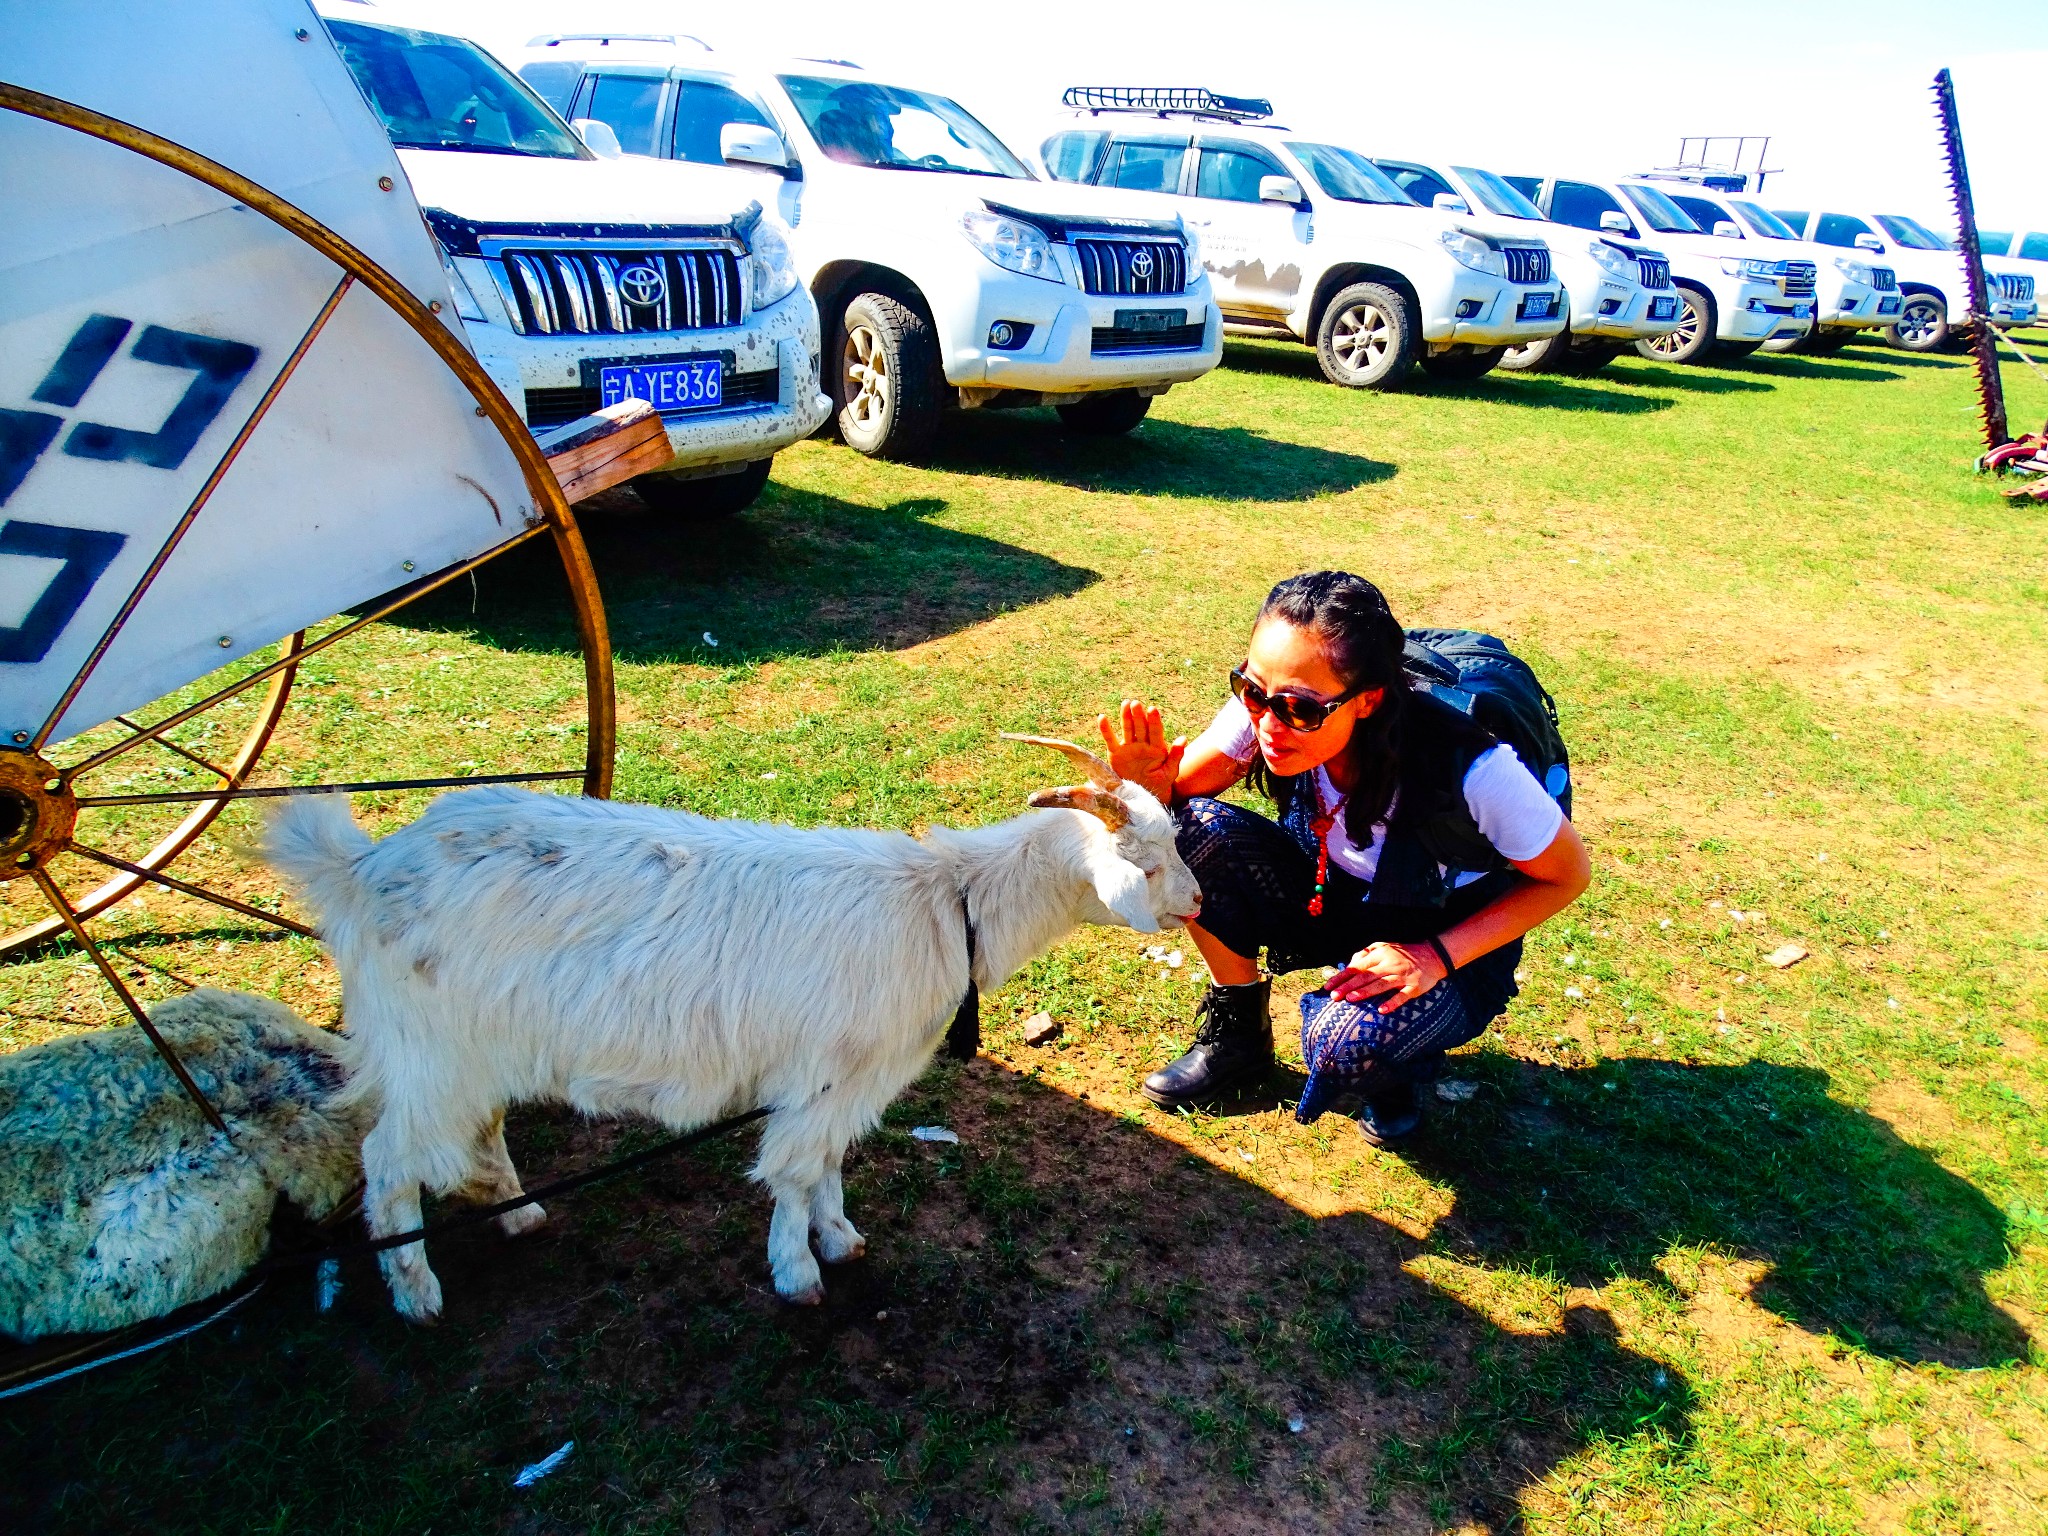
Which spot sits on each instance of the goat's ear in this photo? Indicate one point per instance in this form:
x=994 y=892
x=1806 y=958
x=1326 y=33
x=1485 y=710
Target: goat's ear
x=1085 y=797
x=1120 y=886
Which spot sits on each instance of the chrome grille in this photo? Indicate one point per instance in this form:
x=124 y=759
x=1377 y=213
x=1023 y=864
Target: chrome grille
x=1132 y=266
x=1797 y=283
x=1655 y=271
x=585 y=292
x=2014 y=287
x=1527 y=263
x=1884 y=279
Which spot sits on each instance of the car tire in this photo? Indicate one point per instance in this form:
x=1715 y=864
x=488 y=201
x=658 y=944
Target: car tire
x=1110 y=413
x=1463 y=367
x=1697 y=322
x=1537 y=356
x=701 y=500
x=1368 y=337
x=887 y=384
x=1818 y=342
x=1922 y=325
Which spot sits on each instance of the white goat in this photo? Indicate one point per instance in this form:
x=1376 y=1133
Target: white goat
x=511 y=946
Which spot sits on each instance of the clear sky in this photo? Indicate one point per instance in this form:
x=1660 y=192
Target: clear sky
x=1843 y=89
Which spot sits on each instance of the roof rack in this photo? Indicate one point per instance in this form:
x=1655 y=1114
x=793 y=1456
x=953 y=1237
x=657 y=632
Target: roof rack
x=1725 y=162
x=1189 y=100
x=606 y=39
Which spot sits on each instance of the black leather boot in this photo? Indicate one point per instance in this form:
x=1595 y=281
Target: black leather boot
x=1232 y=1049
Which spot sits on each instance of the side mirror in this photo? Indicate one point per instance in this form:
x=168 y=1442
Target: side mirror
x=751 y=144
x=1869 y=243
x=1449 y=203
x=1280 y=189
x=1727 y=229
x=1614 y=221
x=599 y=137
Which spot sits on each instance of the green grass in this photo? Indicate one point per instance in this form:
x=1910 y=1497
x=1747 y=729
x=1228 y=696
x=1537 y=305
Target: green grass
x=1715 y=1247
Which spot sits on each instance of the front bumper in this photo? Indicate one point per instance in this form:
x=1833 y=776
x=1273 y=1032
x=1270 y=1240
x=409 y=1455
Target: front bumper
x=546 y=379
x=1854 y=306
x=1759 y=312
x=1484 y=311
x=1629 y=312
x=1064 y=341
x=2009 y=312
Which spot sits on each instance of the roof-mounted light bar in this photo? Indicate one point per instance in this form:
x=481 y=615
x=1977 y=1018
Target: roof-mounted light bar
x=607 y=39
x=1190 y=100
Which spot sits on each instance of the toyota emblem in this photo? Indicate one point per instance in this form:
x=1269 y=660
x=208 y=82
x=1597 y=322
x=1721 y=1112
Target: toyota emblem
x=1141 y=264
x=642 y=285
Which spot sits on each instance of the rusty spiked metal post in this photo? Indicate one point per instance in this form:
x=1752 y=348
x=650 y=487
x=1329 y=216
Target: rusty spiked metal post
x=1983 y=340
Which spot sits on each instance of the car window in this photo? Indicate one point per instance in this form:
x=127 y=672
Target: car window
x=1704 y=213
x=1420 y=183
x=1795 y=218
x=1660 y=213
x=2034 y=248
x=555 y=79
x=1578 y=204
x=439 y=92
x=1839 y=229
x=1232 y=171
x=1995 y=242
x=1072 y=156
x=703 y=107
x=631 y=105
x=1498 y=195
x=1762 y=220
x=1530 y=187
x=893 y=128
x=1912 y=234
x=1347 y=175
x=1143 y=165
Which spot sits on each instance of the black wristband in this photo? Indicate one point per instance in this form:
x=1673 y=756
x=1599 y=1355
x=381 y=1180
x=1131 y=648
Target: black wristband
x=1443 y=954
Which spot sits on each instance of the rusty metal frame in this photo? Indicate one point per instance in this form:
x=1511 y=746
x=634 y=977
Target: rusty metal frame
x=551 y=507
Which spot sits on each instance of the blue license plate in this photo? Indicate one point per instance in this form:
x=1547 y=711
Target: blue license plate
x=685 y=384
x=1664 y=308
x=1539 y=306
x=1887 y=306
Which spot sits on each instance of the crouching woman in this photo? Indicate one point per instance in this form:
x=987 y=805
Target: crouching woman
x=1385 y=795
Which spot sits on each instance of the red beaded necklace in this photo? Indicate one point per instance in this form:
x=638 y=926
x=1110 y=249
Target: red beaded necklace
x=1321 y=824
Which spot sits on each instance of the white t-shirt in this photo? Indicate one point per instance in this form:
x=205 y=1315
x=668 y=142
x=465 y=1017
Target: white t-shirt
x=1513 y=811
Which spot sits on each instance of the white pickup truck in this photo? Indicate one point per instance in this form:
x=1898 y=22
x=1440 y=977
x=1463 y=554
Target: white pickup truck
x=1730 y=304
x=1617 y=293
x=945 y=272
x=1936 y=297
x=581 y=281
x=1312 y=240
x=1852 y=294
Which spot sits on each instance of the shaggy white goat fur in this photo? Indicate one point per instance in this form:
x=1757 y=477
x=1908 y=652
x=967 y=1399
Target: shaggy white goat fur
x=625 y=959
x=120 y=1201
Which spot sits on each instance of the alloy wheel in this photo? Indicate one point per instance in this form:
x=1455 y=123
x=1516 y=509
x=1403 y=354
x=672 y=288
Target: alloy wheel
x=868 y=385
x=1918 y=321
x=1685 y=337
x=1361 y=338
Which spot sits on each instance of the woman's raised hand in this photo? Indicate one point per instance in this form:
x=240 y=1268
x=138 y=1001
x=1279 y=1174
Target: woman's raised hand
x=1140 y=752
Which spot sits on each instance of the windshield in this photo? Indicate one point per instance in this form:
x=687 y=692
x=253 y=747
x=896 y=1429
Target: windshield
x=436 y=92
x=1659 y=212
x=1498 y=196
x=1912 y=234
x=1762 y=220
x=1347 y=175
x=893 y=129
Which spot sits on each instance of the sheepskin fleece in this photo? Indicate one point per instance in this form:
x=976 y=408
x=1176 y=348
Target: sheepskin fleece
x=120 y=1201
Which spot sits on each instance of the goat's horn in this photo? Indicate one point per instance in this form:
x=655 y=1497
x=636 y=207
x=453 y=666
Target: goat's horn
x=1099 y=772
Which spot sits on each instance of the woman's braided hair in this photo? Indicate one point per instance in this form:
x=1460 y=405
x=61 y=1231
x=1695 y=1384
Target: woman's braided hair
x=1362 y=641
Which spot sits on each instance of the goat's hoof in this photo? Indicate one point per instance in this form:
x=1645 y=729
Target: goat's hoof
x=521 y=1220
x=813 y=1297
x=839 y=1249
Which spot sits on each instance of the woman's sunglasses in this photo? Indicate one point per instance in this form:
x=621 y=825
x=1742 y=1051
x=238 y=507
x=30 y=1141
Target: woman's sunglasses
x=1296 y=711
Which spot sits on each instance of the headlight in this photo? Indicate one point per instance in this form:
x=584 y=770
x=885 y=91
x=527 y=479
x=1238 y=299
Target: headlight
x=772 y=270
x=1613 y=258
x=466 y=305
x=1749 y=267
x=1855 y=271
x=1472 y=250
x=1189 y=239
x=1011 y=244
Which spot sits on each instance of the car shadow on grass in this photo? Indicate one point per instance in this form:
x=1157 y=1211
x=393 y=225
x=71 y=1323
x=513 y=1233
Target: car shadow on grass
x=1160 y=458
x=1542 y=391
x=1790 y=365
x=798 y=574
x=1701 y=380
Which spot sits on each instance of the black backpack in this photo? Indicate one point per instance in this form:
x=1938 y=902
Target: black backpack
x=1478 y=677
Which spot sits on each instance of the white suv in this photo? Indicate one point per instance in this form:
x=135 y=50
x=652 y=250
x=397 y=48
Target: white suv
x=945 y=272
x=1851 y=295
x=1930 y=275
x=582 y=281
x=1727 y=304
x=1617 y=293
x=1311 y=240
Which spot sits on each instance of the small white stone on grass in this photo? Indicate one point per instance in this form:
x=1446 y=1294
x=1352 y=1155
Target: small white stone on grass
x=1785 y=956
x=1663 y=922
x=1573 y=992
x=1245 y=1155
x=1891 y=1002
x=768 y=775
x=1456 y=1090
x=1175 y=960
x=1040 y=1028
x=1296 y=1423
x=937 y=1133
x=1884 y=933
